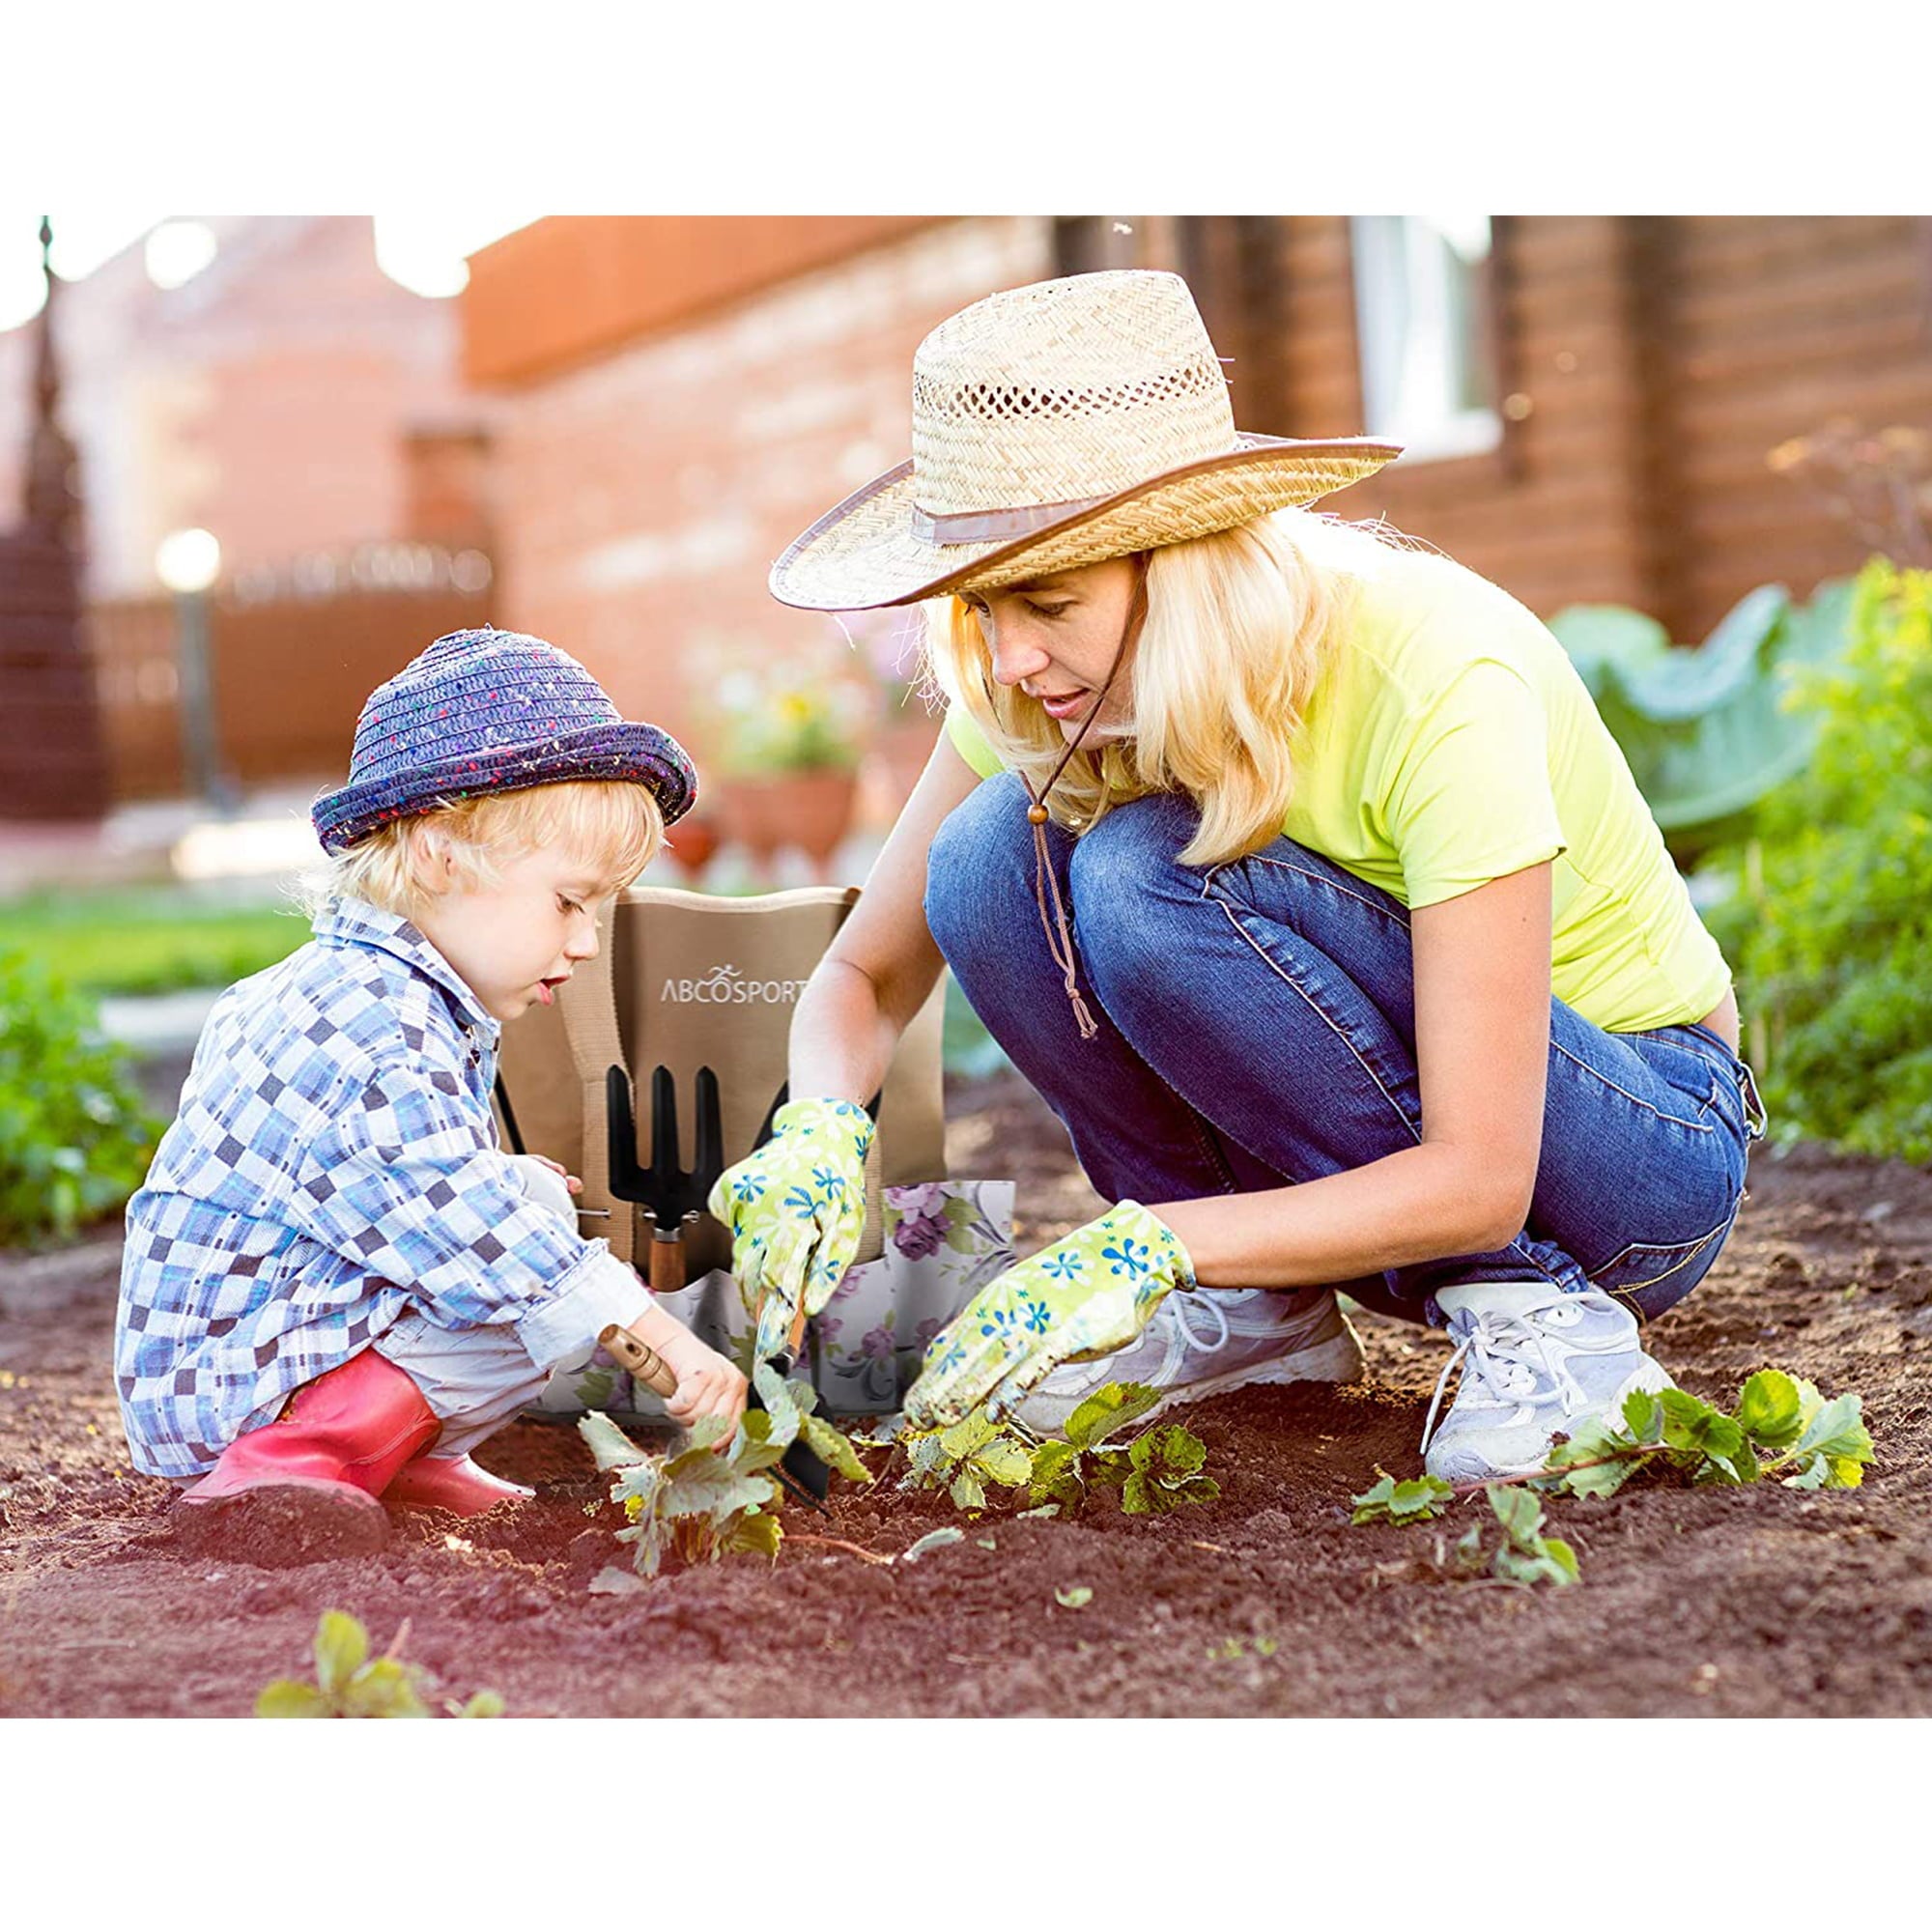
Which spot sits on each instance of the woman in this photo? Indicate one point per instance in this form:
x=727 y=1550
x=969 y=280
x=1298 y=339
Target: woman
x=1313 y=896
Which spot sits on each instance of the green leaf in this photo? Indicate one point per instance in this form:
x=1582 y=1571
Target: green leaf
x=1106 y=1468
x=752 y=1448
x=1005 y=1462
x=610 y=1447
x=1167 y=1454
x=485 y=1704
x=968 y=1492
x=1056 y=1473
x=933 y=1539
x=286 y=1698
x=832 y=1448
x=341 y=1644
x=715 y=1492
x=1414 y=1501
x=1644 y=1417
x=925 y=1456
x=969 y=1433
x=1074 y=1598
x=383 y=1690
x=1107 y=1410
x=1141 y=1498
x=1517 y=1510
x=1696 y=1427
x=959 y=1237
x=1838 y=1429
x=1768 y=1410
x=1041 y=1508
x=754 y=1534
x=1593 y=1440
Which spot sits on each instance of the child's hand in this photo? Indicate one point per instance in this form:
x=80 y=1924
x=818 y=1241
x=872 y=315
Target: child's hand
x=707 y=1384
x=570 y=1181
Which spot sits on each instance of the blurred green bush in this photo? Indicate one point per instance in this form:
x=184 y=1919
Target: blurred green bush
x=1828 y=917
x=75 y=1135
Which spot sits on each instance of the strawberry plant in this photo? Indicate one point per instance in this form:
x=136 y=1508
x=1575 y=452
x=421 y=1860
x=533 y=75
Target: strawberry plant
x=1783 y=1429
x=1155 y=1472
x=964 y=1459
x=702 y=1503
x=1414 y=1501
x=1524 y=1554
x=352 y=1684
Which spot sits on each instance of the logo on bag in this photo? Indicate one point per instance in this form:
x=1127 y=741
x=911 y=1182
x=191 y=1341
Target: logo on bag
x=726 y=986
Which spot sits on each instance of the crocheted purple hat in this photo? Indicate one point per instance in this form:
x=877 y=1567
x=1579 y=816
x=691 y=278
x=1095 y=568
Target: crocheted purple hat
x=490 y=710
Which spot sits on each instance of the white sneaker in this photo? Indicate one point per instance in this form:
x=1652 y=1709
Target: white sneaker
x=1536 y=1362
x=1205 y=1340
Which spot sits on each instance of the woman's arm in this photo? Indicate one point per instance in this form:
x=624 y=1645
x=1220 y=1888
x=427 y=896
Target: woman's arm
x=1482 y=1035
x=881 y=966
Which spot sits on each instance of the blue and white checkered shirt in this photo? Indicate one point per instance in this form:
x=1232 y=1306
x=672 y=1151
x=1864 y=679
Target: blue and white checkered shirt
x=334 y=1163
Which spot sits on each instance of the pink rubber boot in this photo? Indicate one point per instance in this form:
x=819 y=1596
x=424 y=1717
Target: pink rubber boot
x=452 y=1483
x=348 y=1433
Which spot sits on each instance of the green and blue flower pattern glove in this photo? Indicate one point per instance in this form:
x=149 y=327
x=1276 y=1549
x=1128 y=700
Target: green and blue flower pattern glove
x=796 y=1209
x=1083 y=1296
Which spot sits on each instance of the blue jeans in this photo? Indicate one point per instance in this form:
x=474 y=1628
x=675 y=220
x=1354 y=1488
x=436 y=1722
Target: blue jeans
x=1258 y=1027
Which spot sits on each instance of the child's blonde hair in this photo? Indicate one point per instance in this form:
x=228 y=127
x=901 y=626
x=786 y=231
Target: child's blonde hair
x=613 y=828
x=1238 y=627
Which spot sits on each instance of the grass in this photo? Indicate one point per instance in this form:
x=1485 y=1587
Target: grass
x=157 y=939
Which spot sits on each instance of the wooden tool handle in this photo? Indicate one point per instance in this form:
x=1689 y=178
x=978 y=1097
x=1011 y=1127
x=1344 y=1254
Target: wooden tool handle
x=646 y=1364
x=666 y=1263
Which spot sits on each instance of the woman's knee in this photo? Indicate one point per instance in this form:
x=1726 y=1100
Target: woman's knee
x=978 y=866
x=1125 y=875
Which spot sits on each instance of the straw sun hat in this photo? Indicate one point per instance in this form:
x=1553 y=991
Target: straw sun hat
x=1054 y=426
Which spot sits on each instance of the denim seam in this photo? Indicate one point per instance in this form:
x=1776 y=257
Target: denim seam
x=1319 y=879
x=1637 y=1100
x=1315 y=1006
x=1692 y=1249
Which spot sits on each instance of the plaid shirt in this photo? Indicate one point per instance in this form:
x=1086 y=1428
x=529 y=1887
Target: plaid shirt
x=334 y=1163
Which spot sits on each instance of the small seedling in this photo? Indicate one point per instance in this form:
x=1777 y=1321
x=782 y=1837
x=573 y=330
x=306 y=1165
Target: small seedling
x=703 y=1503
x=1155 y=1471
x=351 y=1683
x=1391 y=1502
x=964 y=1459
x=1075 y=1598
x=1524 y=1555
x=1234 y=1649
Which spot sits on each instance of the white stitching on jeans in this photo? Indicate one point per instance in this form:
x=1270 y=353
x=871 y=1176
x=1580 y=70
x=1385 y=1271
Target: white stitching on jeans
x=1313 y=1006
x=1637 y=1100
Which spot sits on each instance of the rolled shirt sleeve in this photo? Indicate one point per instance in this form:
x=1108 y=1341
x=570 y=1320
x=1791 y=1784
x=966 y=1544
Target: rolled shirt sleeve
x=402 y=1182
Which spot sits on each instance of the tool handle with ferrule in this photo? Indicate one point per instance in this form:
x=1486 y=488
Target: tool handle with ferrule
x=646 y=1364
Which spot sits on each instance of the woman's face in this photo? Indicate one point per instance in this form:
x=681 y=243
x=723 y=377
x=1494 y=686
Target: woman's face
x=1055 y=637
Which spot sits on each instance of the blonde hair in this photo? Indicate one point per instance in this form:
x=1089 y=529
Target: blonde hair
x=611 y=827
x=1240 y=626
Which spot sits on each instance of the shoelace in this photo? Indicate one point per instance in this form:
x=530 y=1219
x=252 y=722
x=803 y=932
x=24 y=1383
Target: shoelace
x=1492 y=1353
x=1180 y=1301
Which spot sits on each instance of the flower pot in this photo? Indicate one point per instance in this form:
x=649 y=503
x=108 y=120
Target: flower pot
x=811 y=811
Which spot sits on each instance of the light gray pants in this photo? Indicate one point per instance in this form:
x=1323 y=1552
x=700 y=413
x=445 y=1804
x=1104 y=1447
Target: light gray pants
x=477 y=1380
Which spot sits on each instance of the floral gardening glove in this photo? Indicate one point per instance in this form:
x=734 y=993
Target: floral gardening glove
x=796 y=1207
x=1083 y=1296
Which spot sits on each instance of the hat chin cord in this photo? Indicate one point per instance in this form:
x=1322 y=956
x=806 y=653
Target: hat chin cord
x=1045 y=883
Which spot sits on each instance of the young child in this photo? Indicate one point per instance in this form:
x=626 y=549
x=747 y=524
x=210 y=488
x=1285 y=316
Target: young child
x=335 y=1282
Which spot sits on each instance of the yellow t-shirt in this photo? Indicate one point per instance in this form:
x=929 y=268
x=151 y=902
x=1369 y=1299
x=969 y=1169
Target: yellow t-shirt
x=1450 y=743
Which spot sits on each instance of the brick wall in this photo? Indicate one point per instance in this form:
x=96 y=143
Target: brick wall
x=641 y=498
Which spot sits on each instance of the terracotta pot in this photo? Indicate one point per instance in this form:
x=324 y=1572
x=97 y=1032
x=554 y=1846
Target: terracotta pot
x=811 y=811
x=693 y=840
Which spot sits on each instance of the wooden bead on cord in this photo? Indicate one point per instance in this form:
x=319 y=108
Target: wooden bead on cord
x=1035 y=814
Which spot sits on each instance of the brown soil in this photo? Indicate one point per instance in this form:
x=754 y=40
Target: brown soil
x=1726 y=1602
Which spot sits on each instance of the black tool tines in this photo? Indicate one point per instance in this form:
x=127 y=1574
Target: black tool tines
x=672 y=1193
